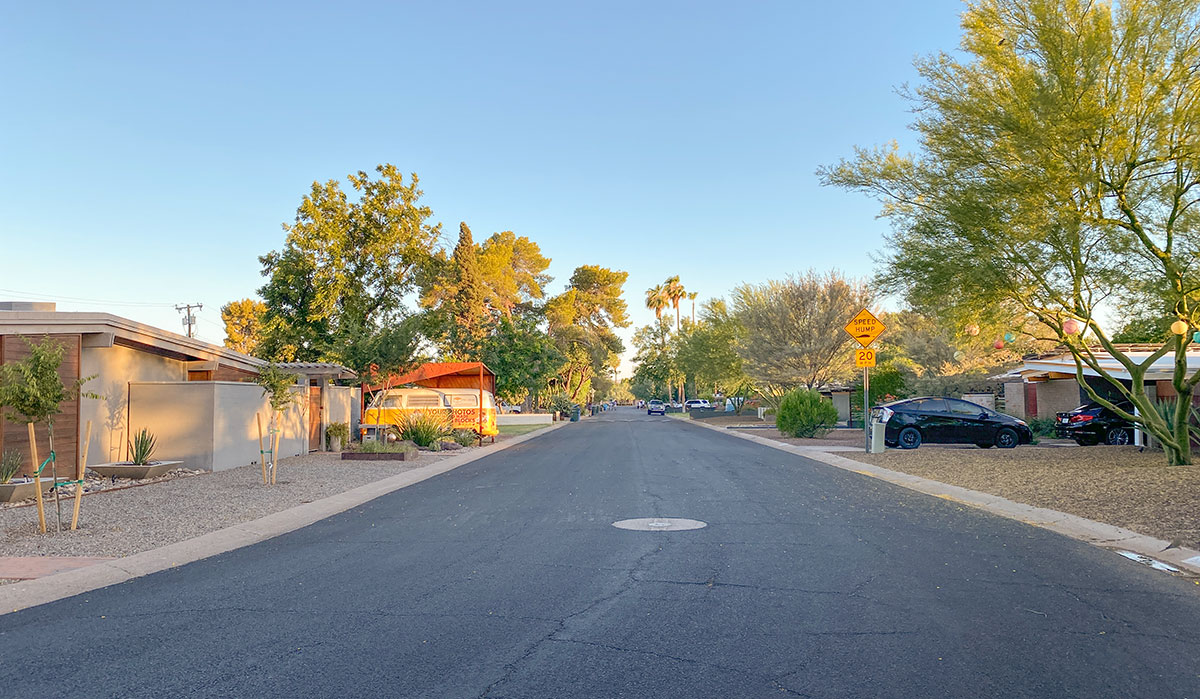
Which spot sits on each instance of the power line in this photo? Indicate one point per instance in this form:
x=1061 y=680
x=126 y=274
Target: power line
x=77 y=299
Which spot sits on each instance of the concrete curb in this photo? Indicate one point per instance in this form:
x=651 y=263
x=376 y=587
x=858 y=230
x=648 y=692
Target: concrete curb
x=1086 y=530
x=31 y=593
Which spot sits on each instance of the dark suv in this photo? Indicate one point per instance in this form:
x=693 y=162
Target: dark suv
x=1092 y=423
x=914 y=421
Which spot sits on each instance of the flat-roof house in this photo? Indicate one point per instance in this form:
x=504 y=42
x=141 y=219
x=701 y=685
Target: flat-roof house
x=197 y=398
x=1046 y=384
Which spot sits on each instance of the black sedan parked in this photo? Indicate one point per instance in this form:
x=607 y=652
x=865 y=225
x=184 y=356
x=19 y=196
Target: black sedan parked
x=1092 y=423
x=913 y=421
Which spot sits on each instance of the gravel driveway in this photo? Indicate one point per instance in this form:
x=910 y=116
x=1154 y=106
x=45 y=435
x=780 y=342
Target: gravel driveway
x=124 y=522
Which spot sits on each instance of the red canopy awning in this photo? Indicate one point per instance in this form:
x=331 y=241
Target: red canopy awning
x=443 y=375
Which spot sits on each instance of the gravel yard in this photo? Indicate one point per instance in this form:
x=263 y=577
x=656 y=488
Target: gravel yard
x=131 y=520
x=1115 y=485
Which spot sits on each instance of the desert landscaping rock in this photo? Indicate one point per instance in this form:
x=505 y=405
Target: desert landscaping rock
x=131 y=520
x=1116 y=485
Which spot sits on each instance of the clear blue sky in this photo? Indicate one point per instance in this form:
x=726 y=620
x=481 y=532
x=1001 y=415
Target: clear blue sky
x=150 y=151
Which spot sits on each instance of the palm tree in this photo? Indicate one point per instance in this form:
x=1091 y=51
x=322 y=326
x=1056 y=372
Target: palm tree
x=657 y=300
x=675 y=292
x=692 y=297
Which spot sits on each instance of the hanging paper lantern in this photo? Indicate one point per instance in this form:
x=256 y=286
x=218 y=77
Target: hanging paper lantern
x=1179 y=327
x=1196 y=336
x=998 y=344
x=1009 y=337
x=972 y=330
x=959 y=356
x=1071 y=327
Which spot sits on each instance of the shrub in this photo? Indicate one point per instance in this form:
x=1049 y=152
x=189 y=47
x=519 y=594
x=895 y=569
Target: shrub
x=10 y=463
x=560 y=403
x=425 y=427
x=465 y=437
x=1042 y=426
x=804 y=413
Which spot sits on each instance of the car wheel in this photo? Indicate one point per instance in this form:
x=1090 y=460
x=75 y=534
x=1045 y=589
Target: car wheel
x=982 y=445
x=909 y=438
x=1087 y=441
x=1006 y=438
x=1118 y=437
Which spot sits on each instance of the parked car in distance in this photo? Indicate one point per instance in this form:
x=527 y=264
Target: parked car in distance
x=656 y=406
x=1092 y=423
x=697 y=403
x=915 y=421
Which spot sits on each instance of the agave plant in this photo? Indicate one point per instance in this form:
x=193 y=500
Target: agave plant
x=1166 y=408
x=142 y=448
x=10 y=463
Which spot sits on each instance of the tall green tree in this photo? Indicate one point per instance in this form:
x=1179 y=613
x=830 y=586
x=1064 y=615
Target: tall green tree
x=583 y=322
x=345 y=262
x=466 y=313
x=657 y=369
x=513 y=272
x=675 y=292
x=657 y=300
x=707 y=350
x=523 y=357
x=793 y=330
x=243 y=324
x=1058 y=169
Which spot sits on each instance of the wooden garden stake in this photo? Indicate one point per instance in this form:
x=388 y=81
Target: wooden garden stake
x=262 y=455
x=275 y=450
x=37 y=479
x=79 y=476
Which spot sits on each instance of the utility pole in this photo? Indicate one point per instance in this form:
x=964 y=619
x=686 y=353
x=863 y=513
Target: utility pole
x=189 y=320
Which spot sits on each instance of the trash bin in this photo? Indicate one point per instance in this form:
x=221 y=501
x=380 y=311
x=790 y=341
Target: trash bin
x=575 y=414
x=878 y=427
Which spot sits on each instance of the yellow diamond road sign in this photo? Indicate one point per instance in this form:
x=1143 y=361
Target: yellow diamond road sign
x=864 y=327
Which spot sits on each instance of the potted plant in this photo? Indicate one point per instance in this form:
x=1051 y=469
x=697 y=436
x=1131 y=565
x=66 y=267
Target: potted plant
x=13 y=489
x=31 y=391
x=338 y=434
x=140 y=463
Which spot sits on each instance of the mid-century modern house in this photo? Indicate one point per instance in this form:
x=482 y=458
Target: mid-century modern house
x=198 y=399
x=1045 y=384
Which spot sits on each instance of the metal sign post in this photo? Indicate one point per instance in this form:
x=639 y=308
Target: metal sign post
x=865 y=328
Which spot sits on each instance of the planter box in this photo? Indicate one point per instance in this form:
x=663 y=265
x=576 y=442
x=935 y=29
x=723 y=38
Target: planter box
x=407 y=455
x=16 y=492
x=136 y=472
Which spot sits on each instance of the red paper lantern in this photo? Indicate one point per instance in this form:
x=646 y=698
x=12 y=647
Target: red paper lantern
x=1071 y=327
x=998 y=344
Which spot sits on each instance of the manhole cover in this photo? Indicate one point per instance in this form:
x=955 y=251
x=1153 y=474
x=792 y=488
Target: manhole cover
x=659 y=524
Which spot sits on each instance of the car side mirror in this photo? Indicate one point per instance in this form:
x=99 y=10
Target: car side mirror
x=983 y=416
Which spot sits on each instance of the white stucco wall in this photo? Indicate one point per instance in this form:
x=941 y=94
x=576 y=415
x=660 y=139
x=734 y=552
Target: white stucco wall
x=114 y=367
x=339 y=405
x=211 y=425
x=524 y=419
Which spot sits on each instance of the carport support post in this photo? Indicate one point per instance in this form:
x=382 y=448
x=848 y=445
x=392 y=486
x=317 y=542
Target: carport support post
x=866 y=409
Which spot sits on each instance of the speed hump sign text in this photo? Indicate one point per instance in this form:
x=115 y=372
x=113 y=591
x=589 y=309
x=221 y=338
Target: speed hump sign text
x=864 y=358
x=864 y=328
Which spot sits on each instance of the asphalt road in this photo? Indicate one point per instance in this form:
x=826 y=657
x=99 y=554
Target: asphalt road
x=505 y=578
